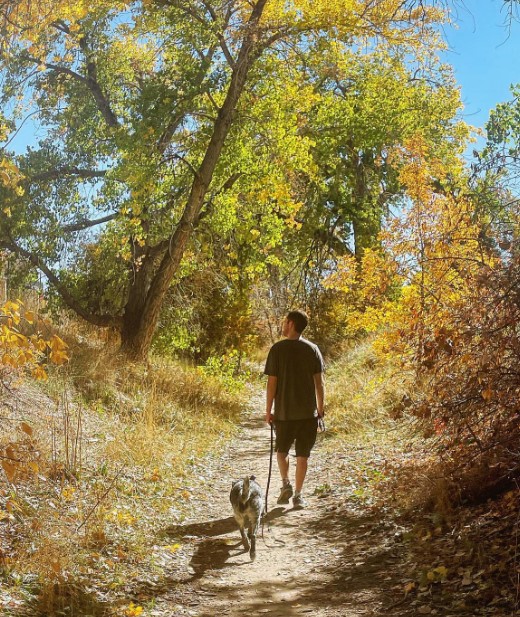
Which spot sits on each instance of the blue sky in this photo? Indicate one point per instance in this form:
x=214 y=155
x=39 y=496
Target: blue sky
x=485 y=53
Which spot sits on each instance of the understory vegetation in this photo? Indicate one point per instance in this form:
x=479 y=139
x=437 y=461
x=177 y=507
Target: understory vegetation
x=104 y=457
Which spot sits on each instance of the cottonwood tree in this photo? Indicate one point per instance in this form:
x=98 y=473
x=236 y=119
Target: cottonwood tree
x=157 y=120
x=368 y=106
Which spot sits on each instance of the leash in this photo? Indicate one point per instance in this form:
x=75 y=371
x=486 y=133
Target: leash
x=270 y=471
x=264 y=515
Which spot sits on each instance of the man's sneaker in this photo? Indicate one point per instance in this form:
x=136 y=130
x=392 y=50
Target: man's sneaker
x=299 y=502
x=285 y=494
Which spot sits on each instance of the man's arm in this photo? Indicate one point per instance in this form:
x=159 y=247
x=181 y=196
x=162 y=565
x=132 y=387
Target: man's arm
x=319 y=386
x=271 y=393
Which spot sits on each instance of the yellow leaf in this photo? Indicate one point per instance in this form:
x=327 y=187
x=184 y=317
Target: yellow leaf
x=172 y=548
x=408 y=587
x=441 y=571
x=26 y=428
x=68 y=492
x=10 y=470
x=8 y=360
x=487 y=394
x=41 y=345
x=133 y=610
x=58 y=344
x=58 y=357
x=29 y=316
x=39 y=373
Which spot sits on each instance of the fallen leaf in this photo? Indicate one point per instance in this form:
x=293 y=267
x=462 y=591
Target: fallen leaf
x=10 y=470
x=26 y=428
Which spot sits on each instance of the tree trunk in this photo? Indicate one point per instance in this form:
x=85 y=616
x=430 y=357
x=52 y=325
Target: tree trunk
x=142 y=314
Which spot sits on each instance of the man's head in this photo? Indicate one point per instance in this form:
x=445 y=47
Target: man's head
x=298 y=319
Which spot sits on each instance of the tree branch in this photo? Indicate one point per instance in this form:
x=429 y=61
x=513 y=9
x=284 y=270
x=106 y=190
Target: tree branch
x=220 y=35
x=55 y=67
x=93 y=84
x=62 y=172
x=169 y=131
x=86 y=224
x=90 y=81
x=97 y=320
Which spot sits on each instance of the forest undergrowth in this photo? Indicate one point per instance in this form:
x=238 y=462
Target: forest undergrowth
x=111 y=453
x=107 y=453
x=461 y=553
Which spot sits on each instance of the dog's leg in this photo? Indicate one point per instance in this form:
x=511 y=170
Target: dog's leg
x=252 y=539
x=245 y=541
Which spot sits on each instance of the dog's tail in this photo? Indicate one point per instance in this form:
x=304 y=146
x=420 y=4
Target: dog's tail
x=246 y=489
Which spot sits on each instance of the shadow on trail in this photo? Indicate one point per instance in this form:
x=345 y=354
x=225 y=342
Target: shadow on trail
x=356 y=568
x=218 y=527
x=368 y=564
x=211 y=554
x=352 y=571
x=253 y=599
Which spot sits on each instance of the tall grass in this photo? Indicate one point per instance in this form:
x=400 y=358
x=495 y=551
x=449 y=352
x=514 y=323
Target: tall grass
x=363 y=390
x=114 y=451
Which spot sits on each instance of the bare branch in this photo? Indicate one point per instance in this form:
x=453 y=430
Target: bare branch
x=86 y=224
x=62 y=172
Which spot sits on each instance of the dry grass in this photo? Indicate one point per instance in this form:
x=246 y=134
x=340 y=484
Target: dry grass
x=389 y=460
x=363 y=389
x=114 y=451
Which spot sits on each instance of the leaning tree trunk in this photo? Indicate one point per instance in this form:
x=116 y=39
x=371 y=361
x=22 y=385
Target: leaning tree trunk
x=142 y=313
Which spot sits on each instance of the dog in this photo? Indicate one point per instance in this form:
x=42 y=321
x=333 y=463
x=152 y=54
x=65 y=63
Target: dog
x=247 y=501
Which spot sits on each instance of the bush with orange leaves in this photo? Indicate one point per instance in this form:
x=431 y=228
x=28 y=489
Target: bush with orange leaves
x=454 y=321
x=21 y=352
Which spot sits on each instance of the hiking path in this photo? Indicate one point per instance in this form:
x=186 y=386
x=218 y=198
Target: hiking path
x=333 y=558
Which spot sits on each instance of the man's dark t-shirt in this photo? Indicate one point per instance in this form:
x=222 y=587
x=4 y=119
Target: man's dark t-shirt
x=294 y=363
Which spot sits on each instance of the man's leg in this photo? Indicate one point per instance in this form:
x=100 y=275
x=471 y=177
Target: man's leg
x=286 y=491
x=283 y=465
x=301 y=472
x=305 y=439
x=284 y=439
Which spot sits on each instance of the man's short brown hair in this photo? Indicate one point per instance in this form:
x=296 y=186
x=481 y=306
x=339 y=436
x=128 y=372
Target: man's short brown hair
x=299 y=319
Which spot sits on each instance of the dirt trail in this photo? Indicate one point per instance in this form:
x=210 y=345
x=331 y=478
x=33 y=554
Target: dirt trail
x=330 y=559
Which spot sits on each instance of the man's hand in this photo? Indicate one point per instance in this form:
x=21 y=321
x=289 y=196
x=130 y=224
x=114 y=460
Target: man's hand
x=269 y=417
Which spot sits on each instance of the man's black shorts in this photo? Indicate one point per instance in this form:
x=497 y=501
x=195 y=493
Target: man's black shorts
x=301 y=431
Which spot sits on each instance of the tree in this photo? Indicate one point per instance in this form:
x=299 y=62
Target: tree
x=142 y=108
x=369 y=106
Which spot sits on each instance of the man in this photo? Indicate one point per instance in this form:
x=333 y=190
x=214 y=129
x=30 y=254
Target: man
x=295 y=384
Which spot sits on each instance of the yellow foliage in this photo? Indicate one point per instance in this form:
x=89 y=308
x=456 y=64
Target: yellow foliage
x=26 y=352
x=10 y=177
x=388 y=19
x=133 y=610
